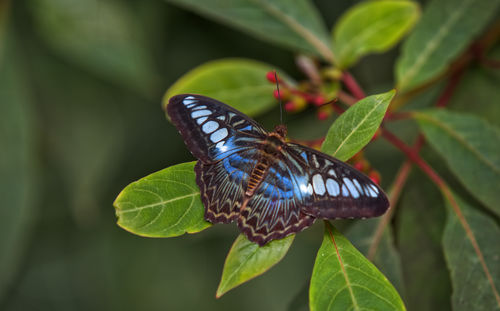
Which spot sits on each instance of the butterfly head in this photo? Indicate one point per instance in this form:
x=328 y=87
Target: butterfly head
x=281 y=130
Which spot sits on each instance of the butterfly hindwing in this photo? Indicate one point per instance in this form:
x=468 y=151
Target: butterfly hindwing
x=212 y=130
x=275 y=209
x=332 y=189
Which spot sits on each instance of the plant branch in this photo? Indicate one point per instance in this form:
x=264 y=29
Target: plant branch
x=449 y=196
x=476 y=51
x=346 y=98
x=352 y=85
x=396 y=189
x=445 y=97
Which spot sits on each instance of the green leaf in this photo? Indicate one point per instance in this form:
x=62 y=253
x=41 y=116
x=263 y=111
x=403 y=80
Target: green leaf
x=343 y=279
x=372 y=26
x=386 y=257
x=446 y=28
x=246 y=260
x=471 y=148
x=356 y=127
x=164 y=204
x=240 y=83
x=102 y=36
x=479 y=85
x=18 y=185
x=474 y=287
x=296 y=25
x=420 y=222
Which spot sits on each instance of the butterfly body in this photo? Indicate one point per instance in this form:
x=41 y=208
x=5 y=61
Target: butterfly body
x=272 y=188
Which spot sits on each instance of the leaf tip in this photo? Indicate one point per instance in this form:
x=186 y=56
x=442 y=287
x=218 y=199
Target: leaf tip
x=220 y=292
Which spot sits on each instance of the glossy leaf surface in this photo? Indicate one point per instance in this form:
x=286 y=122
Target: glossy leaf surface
x=239 y=83
x=372 y=26
x=343 y=279
x=356 y=127
x=386 y=257
x=164 y=204
x=246 y=260
x=474 y=288
x=420 y=220
x=471 y=148
x=445 y=30
x=295 y=25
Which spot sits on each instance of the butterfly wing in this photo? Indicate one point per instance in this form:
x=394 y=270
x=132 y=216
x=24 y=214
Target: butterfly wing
x=330 y=188
x=223 y=183
x=275 y=209
x=212 y=130
x=302 y=184
x=225 y=142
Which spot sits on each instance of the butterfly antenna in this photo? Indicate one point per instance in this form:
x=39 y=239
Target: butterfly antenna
x=279 y=96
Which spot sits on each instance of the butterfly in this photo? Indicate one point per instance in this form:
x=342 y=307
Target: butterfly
x=270 y=187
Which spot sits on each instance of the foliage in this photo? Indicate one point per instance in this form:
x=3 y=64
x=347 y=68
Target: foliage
x=80 y=114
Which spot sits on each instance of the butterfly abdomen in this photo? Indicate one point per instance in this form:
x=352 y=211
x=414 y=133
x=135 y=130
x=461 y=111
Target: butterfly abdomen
x=257 y=175
x=269 y=150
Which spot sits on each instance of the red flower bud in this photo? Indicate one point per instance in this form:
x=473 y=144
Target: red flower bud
x=271 y=77
x=277 y=95
x=359 y=166
x=375 y=177
x=290 y=106
x=323 y=115
x=318 y=100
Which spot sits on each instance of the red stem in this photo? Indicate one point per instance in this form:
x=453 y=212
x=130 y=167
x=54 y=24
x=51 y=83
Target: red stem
x=412 y=155
x=445 y=97
x=352 y=85
x=396 y=189
x=346 y=98
x=397 y=115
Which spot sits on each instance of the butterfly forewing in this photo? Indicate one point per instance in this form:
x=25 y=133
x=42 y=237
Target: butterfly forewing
x=212 y=130
x=224 y=140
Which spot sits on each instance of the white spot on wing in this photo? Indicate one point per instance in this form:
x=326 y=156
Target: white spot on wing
x=318 y=184
x=222 y=118
x=221 y=147
x=200 y=107
x=345 y=192
x=189 y=97
x=201 y=120
x=314 y=160
x=309 y=188
x=356 y=183
x=209 y=127
x=333 y=187
x=200 y=113
x=351 y=187
x=238 y=122
x=219 y=135
x=370 y=192
x=188 y=100
x=332 y=173
x=305 y=189
x=374 y=188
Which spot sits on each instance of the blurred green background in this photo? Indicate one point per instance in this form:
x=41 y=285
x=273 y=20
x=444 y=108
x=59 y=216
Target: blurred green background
x=81 y=83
